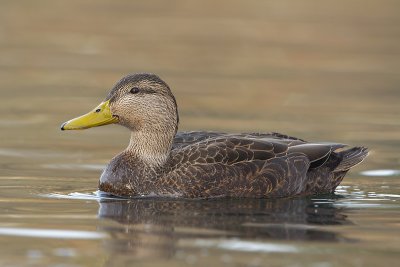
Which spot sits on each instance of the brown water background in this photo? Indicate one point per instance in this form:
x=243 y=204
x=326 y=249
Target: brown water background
x=319 y=70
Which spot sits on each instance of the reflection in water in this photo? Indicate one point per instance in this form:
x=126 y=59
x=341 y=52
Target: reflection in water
x=149 y=227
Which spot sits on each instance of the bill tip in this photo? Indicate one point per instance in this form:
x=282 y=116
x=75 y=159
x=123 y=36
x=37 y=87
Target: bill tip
x=62 y=126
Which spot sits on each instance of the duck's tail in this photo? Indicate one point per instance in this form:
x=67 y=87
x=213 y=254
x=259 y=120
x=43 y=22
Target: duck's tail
x=351 y=157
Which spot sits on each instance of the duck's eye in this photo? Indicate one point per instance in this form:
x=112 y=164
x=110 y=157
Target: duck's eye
x=134 y=90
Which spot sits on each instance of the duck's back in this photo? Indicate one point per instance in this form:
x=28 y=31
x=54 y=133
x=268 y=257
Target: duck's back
x=183 y=139
x=210 y=164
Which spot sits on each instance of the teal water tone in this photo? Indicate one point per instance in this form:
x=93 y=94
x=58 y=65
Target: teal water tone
x=318 y=71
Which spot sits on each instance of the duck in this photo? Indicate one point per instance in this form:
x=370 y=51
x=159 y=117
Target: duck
x=159 y=161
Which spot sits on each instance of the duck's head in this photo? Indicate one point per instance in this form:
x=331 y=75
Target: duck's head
x=141 y=102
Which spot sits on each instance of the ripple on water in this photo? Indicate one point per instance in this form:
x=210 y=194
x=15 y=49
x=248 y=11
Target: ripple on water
x=383 y=172
x=355 y=197
x=246 y=246
x=83 y=196
x=50 y=233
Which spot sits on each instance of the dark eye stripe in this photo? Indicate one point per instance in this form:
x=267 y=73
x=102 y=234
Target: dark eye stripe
x=149 y=91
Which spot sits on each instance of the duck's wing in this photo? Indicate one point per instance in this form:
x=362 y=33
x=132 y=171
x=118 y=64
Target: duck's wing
x=183 y=139
x=242 y=167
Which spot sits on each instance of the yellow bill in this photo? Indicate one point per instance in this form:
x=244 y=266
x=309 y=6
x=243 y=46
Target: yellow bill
x=101 y=115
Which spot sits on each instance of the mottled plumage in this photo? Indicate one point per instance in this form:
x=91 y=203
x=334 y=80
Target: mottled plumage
x=161 y=162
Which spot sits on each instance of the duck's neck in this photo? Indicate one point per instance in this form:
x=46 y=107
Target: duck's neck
x=152 y=148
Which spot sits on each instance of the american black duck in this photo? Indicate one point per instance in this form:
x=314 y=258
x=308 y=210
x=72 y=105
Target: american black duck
x=161 y=162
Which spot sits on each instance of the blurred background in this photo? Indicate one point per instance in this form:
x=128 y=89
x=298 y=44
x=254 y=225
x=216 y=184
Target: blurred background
x=318 y=70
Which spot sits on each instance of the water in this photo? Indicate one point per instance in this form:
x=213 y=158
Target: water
x=324 y=71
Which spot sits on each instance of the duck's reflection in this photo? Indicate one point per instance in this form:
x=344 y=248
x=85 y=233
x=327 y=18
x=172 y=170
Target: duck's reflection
x=149 y=227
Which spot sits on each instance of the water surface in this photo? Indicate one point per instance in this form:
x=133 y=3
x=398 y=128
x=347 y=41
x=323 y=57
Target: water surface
x=323 y=71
